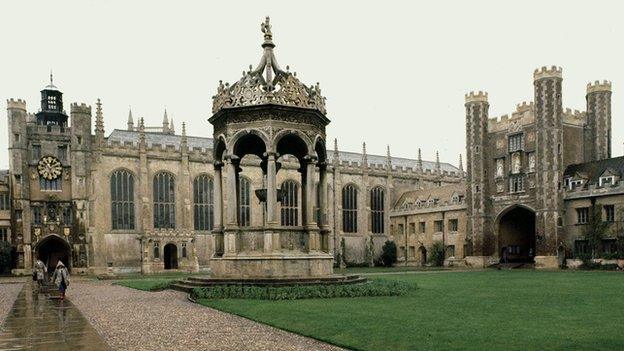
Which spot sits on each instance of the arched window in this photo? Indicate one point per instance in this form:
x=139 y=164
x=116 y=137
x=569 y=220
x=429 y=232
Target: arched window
x=377 y=209
x=290 y=203
x=203 y=201
x=349 y=209
x=122 y=199
x=164 y=201
x=244 y=202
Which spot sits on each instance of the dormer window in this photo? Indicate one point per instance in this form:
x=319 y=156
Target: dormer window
x=575 y=184
x=606 y=181
x=516 y=142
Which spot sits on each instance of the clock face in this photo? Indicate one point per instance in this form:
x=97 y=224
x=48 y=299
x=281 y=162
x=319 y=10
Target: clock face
x=49 y=167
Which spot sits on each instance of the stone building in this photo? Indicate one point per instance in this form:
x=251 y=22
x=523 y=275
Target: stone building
x=143 y=199
x=423 y=217
x=515 y=195
x=589 y=187
x=5 y=207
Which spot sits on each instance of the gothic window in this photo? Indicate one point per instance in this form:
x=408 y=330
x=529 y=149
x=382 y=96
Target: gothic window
x=4 y=234
x=184 y=250
x=49 y=184
x=290 y=203
x=164 y=201
x=4 y=201
x=516 y=142
x=122 y=199
x=203 y=200
x=423 y=227
x=349 y=209
x=66 y=215
x=244 y=202
x=37 y=215
x=377 y=209
x=516 y=184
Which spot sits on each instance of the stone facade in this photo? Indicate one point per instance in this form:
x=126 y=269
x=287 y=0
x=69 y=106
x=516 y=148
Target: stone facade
x=516 y=163
x=422 y=217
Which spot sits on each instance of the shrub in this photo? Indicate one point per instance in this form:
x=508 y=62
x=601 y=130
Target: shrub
x=388 y=254
x=436 y=258
x=6 y=258
x=374 y=288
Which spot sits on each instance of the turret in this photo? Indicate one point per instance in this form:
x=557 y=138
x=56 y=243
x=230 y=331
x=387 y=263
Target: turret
x=478 y=230
x=549 y=153
x=598 y=129
x=18 y=145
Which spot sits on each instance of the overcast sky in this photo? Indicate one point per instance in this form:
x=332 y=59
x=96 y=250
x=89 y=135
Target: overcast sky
x=393 y=72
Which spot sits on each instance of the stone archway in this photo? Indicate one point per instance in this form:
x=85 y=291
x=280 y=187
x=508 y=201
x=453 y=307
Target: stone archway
x=170 y=256
x=516 y=235
x=51 y=249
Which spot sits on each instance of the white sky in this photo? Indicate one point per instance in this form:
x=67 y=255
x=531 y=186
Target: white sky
x=393 y=72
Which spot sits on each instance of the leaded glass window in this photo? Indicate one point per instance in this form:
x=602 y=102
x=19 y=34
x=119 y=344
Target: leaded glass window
x=164 y=201
x=290 y=203
x=244 y=202
x=377 y=209
x=203 y=200
x=349 y=209
x=122 y=199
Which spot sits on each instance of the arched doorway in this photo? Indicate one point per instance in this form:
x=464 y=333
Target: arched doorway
x=516 y=235
x=423 y=255
x=51 y=249
x=171 y=256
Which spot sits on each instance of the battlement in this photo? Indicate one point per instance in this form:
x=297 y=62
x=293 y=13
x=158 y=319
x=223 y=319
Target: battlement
x=475 y=96
x=16 y=104
x=80 y=108
x=574 y=117
x=524 y=106
x=547 y=72
x=597 y=86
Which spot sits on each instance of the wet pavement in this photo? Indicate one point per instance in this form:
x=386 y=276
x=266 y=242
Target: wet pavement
x=37 y=322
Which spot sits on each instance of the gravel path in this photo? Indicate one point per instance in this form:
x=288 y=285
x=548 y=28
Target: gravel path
x=130 y=319
x=8 y=294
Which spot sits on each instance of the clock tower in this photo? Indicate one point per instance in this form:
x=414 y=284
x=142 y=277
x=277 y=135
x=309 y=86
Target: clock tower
x=49 y=161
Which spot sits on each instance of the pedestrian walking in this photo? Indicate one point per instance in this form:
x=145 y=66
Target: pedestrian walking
x=40 y=271
x=61 y=278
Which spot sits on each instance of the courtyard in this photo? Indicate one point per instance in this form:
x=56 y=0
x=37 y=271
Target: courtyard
x=450 y=310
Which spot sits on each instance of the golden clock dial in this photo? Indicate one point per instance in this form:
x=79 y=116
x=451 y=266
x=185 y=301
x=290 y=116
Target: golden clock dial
x=49 y=167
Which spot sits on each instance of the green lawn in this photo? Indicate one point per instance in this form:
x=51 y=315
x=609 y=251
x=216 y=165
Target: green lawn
x=493 y=310
x=367 y=270
x=147 y=284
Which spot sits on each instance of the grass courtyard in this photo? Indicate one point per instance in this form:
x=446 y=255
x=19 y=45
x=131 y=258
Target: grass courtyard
x=494 y=310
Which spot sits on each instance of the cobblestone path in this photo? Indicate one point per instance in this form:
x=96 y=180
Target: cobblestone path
x=37 y=322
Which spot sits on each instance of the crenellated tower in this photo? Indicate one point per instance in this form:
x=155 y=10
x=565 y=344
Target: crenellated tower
x=549 y=159
x=598 y=129
x=478 y=231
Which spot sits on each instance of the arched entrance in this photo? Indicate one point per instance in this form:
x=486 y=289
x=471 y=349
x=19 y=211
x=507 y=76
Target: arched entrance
x=171 y=256
x=51 y=249
x=516 y=235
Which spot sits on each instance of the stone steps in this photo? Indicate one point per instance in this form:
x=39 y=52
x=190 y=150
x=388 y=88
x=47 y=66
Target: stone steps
x=186 y=285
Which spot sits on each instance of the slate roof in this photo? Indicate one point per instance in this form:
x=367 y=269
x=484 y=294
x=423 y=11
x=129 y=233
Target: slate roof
x=593 y=170
x=442 y=193
x=122 y=136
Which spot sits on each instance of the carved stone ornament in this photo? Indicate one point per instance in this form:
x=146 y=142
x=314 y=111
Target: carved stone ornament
x=259 y=87
x=49 y=167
